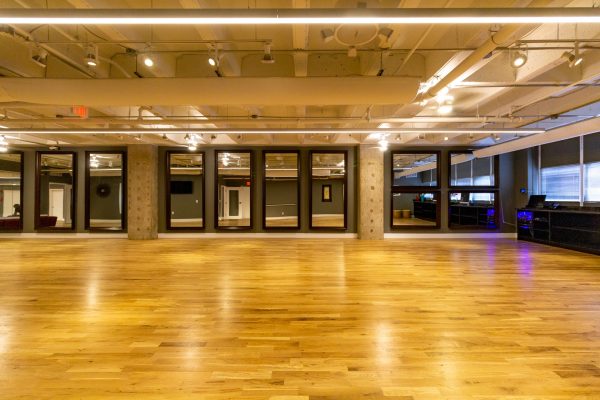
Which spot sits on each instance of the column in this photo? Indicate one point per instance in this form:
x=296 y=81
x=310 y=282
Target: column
x=370 y=193
x=142 y=192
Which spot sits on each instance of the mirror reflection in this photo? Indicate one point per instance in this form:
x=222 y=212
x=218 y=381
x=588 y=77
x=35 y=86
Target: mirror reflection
x=105 y=191
x=186 y=194
x=473 y=209
x=234 y=180
x=466 y=170
x=415 y=169
x=10 y=192
x=281 y=190
x=328 y=180
x=55 y=191
x=414 y=209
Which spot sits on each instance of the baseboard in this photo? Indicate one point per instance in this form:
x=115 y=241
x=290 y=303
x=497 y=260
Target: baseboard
x=60 y=235
x=253 y=235
x=451 y=235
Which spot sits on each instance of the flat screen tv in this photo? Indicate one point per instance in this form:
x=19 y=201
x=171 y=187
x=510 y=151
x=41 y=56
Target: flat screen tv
x=182 y=187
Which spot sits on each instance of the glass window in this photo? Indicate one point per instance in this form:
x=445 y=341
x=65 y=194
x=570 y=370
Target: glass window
x=105 y=191
x=592 y=182
x=185 y=190
x=561 y=183
x=56 y=184
x=281 y=188
x=11 y=215
x=234 y=189
x=473 y=209
x=328 y=190
x=415 y=209
x=466 y=170
x=415 y=169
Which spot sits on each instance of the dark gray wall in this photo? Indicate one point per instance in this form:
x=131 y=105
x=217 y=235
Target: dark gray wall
x=336 y=205
x=280 y=193
x=105 y=207
x=187 y=205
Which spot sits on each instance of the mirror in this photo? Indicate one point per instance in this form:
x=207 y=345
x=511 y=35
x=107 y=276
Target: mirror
x=281 y=190
x=415 y=209
x=105 y=191
x=466 y=170
x=11 y=181
x=415 y=169
x=328 y=190
x=234 y=189
x=55 y=188
x=185 y=190
x=473 y=209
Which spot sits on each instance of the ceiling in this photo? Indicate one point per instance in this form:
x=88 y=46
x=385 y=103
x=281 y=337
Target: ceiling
x=325 y=79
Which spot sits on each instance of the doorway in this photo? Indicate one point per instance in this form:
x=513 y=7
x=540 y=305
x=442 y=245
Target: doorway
x=236 y=202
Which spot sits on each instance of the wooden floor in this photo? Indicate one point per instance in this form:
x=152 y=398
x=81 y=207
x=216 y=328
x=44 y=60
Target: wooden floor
x=297 y=319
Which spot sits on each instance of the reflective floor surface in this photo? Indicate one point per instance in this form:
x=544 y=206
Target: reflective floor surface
x=297 y=319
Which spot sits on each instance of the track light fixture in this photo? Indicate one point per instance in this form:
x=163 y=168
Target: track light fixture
x=327 y=35
x=91 y=55
x=148 y=61
x=3 y=144
x=574 y=58
x=384 y=35
x=38 y=56
x=267 y=57
x=192 y=141
x=213 y=57
x=94 y=163
x=519 y=58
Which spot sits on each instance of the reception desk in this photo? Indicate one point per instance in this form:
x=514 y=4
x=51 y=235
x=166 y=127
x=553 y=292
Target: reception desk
x=577 y=229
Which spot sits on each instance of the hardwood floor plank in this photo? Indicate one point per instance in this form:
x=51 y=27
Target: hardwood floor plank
x=298 y=319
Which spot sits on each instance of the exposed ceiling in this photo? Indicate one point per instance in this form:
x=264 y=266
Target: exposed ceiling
x=323 y=77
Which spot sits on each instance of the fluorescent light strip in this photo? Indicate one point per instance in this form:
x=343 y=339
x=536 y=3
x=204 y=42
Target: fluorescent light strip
x=265 y=131
x=299 y=16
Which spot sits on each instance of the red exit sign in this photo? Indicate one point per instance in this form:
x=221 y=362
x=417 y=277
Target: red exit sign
x=80 y=111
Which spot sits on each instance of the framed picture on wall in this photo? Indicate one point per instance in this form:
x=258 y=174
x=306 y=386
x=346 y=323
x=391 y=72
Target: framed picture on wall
x=326 y=193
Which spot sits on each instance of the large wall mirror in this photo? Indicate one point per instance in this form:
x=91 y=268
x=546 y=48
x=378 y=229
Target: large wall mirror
x=415 y=209
x=328 y=189
x=55 y=190
x=473 y=209
x=185 y=191
x=105 y=191
x=281 y=189
x=234 y=189
x=11 y=192
x=468 y=171
x=413 y=169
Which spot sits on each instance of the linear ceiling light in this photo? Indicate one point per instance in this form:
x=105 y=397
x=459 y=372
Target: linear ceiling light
x=300 y=16
x=307 y=131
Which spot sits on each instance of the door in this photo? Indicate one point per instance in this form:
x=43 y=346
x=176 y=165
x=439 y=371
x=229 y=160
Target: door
x=237 y=202
x=57 y=203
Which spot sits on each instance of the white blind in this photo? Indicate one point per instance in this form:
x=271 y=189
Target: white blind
x=561 y=183
x=592 y=182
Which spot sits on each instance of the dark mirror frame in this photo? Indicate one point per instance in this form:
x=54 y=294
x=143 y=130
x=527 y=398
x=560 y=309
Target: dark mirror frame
x=216 y=187
x=475 y=227
x=264 y=190
x=310 y=191
x=20 y=228
x=438 y=208
x=437 y=153
x=124 y=195
x=473 y=188
x=168 y=191
x=38 y=162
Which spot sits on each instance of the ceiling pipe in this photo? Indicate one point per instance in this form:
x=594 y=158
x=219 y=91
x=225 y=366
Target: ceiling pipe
x=501 y=37
x=249 y=120
x=555 y=135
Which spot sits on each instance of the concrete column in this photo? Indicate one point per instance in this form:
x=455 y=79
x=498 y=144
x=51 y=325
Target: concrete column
x=370 y=193
x=142 y=192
